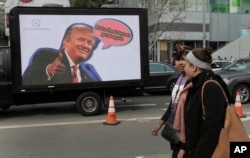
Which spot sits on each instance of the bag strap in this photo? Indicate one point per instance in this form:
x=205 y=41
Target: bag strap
x=202 y=92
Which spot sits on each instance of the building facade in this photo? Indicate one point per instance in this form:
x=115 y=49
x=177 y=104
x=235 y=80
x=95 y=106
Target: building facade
x=200 y=23
x=7 y=5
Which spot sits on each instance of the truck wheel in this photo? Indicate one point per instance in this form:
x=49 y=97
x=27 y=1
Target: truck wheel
x=5 y=107
x=89 y=104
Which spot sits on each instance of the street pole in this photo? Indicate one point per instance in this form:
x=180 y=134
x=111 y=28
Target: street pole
x=204 y=24
x=169 y=52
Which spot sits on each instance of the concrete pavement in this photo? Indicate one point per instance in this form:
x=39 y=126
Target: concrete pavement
x=246 y=122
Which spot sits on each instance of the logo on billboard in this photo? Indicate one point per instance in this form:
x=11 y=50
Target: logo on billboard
x=36 y=22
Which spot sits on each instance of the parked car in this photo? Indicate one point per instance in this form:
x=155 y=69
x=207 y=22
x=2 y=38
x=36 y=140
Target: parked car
x=162 y=77
x=220 y=64
x=237 y=78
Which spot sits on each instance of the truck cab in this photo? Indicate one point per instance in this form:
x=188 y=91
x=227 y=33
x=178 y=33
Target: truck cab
x=4 y=77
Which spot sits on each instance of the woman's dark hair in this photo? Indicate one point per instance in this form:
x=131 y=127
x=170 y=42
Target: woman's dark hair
x=180 y=50
x=204 y=54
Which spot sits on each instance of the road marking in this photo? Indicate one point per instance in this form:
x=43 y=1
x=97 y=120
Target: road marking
x=50 y=124
x=142 y=119
x=140 y=105
x=164 y=109
x=245 y=118
x=122 y=100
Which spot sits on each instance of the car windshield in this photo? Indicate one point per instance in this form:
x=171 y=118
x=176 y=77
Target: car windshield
x=238 y=65
x=157 y=68
x=220 y=64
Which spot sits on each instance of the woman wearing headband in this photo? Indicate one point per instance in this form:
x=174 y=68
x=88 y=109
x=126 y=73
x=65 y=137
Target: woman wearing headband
x=202 y=133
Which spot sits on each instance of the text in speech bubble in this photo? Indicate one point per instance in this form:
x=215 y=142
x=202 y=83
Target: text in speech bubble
x=112 y=32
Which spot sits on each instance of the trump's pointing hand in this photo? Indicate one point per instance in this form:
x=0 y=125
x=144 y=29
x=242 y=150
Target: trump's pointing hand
x=56 y=67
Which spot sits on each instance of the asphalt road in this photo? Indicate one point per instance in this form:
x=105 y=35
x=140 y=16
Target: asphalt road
x=58 y=131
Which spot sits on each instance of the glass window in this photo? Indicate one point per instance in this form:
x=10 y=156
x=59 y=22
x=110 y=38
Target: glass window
x=238 y=65
x=156 y=68
x=245 y=6
x=175 y=4
x=191 y=5
x=143 y=3
x=153 y=68
x=221 y=6
x=200 y=5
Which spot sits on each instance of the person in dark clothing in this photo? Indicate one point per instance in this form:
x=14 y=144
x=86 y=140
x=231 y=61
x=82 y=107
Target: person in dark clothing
x=202 y=133
x=179 y=58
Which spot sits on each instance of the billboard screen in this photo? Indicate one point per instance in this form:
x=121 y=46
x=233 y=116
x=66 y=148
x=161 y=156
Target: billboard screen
x=61 y=47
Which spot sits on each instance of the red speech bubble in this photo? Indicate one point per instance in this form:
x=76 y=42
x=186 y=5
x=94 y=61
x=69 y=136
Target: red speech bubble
x=112 y=32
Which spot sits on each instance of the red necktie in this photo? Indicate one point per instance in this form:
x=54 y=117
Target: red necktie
x=74 y=74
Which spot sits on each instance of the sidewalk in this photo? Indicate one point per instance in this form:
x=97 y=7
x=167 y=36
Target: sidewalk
x=167 y=155
x=246 y=122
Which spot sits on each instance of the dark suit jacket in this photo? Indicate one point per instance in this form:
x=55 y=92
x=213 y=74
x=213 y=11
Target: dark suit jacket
x=35 y=74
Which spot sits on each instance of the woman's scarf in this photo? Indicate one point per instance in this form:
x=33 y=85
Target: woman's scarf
x=179 y=123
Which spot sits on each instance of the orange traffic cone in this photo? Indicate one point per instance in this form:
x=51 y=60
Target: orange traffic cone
x=238 y=107
x=111 y=117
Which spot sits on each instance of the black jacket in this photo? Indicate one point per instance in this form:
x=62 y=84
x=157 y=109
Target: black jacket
x=202 y=135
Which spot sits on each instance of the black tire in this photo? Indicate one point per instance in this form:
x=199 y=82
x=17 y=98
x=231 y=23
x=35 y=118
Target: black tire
x=5 y=107
x=89 y=104
x=244 y=93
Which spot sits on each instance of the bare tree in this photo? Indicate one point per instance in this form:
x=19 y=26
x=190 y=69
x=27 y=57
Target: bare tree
x=158 y=10
x=86 y=3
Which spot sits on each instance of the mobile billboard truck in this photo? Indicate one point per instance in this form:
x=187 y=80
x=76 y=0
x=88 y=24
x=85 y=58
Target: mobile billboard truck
x=46 y=43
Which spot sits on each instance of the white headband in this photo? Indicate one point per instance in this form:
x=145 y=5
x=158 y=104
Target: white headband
x=201 y=64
